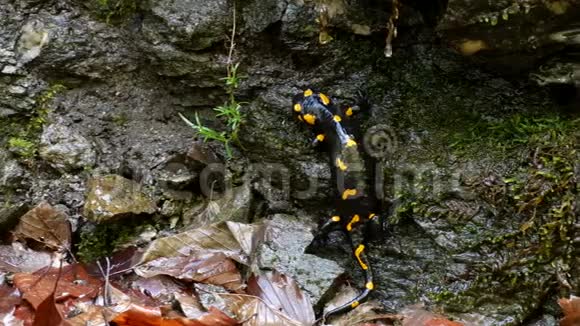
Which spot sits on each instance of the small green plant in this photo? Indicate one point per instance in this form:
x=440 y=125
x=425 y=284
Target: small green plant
x=113 y=11
x=208 y=133
x=120 y=119
x=22 y=147
x=230 y=111
x=510 y=132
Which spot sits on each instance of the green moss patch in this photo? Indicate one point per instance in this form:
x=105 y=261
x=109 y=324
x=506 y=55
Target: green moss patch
x=106 y=238
x=113 y=11
x=22 y=133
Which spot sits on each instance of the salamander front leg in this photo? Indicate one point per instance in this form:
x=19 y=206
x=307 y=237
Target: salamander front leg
x=362 y=104
x=318 y=139
x=362 y=261
x=349 y=111
x=332 y=224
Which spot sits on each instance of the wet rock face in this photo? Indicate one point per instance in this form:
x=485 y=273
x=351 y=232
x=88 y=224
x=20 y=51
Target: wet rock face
x=532 y=29
x=283 y=249
x=232 y=205
x=202 y=23
x=259 y=14
x=126 y=81
x=113 y=196
x=17 y=95
x=11 y=172
x=62 y=40
x=558 y=72
x=65 y=149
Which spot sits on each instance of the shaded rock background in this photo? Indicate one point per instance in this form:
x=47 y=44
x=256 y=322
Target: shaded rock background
x=90 y=89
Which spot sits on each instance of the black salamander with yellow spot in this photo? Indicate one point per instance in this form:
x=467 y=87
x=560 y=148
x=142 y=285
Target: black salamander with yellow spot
x=355 y=205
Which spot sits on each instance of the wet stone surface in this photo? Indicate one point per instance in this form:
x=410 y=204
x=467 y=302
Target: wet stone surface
x=283 y=249
x=65 y=149
x=113 y=196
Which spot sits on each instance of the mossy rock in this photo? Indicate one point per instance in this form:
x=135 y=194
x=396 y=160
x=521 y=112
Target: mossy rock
x=112 y=196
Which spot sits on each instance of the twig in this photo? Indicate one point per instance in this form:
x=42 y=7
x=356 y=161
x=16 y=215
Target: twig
x=232 y=40
x=106 y=274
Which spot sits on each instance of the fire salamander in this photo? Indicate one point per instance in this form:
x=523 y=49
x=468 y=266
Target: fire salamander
x=355 y=205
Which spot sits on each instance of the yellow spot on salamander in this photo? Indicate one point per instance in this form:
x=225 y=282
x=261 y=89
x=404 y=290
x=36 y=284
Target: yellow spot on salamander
x=340 y=164
x=324 y=98
x=300 y=118
x=310 y=118
x=348 y=112
x=372 y=215
x=347 y=193
x=337 y=118
x=335 y=218
x=320 y=137
x=350 y=143
x=471 y=47
x=308 y=92
x=370 y=285
x=354 y=304
x=359 y=250
x=297 y=107
x=354 y=220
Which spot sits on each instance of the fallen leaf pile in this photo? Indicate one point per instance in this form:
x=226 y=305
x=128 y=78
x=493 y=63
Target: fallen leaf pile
x=189 y=279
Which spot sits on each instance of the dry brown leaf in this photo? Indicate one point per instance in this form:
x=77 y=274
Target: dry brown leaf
x=9 y=319
x=93 y=316
x=571 y=309
x=274 y=299
x=418 y=316
x=249 y=236
x=48 y=314
x=215 y=238
x=190 y=305
x=25 y=314
x=255 y=312
x=120 y=262
x=74 y=282
x=16 y=259
x=214 y=268
x=46 y=225
x=9 y=298
x=283 y=294
x=160 y=287
x=129 y=308
x=148 y=316
x=215 y=317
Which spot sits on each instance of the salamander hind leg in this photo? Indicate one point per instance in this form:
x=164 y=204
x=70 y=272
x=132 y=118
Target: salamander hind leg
x=321 y=234
x=332 y=224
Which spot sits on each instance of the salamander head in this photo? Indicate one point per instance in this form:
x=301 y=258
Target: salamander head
x=312 y=107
